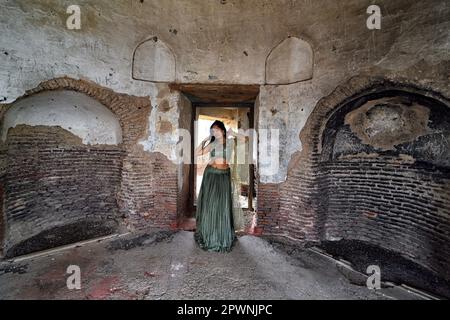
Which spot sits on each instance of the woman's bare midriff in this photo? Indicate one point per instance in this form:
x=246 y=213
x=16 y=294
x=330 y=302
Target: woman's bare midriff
x=219 y=164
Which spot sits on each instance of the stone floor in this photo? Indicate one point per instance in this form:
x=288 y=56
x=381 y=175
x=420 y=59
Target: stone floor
x=169 y=265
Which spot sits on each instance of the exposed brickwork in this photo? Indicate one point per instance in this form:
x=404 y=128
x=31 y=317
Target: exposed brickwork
x=300 y=195
x=389 y=200
x=268 y=206
x=166 y=194
x=53 y=181
x=147 y=185
x=137 y=194
x=151 y=191
x=139 y=190
x=386 y=201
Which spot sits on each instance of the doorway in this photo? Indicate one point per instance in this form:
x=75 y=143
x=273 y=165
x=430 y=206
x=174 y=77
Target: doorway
x=234 y=105
x=237 y=117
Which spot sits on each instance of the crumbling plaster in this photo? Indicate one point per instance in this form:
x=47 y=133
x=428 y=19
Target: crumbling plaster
x=77 y=113
x=225 y=42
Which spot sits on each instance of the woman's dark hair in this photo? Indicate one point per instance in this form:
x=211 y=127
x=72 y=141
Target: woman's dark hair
x=221 y=125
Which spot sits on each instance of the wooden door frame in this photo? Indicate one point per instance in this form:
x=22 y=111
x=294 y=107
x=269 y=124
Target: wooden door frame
x=195 y=105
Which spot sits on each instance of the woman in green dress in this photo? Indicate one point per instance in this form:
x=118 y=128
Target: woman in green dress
x=214 y=216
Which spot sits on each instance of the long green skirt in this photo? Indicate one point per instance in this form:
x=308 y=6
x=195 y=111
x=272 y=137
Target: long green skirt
x=214 y=216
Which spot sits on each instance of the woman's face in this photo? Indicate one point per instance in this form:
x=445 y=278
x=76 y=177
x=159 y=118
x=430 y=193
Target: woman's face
x=216 y=132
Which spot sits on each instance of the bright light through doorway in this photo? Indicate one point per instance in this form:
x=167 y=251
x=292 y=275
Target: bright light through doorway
x=235 y=119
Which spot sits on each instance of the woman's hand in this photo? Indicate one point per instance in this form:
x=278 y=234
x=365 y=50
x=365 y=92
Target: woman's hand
x=199 y=151
x=241 y=137
x=205 y=141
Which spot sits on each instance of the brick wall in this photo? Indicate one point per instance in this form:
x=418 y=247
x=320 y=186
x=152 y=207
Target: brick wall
x=53 y=182
x=397 y=199
x=139 y=197
x=150 y=191
x=166 y=194
x=144 y=185
x=391 y=203
x=268 y=208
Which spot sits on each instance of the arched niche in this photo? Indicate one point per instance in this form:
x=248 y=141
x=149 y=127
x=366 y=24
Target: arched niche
x=75 y=112
x=384 y=182
x=390 y=122
x=153 y=61
x=64 y=160
x=374 y=173
x=289 y=62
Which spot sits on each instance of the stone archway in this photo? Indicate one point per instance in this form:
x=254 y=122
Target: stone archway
x=135 y=197
x=64 y=160
x=374 y=167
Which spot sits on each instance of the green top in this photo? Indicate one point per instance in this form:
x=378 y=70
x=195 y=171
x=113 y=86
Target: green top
x=226 y=152
x=213 y=149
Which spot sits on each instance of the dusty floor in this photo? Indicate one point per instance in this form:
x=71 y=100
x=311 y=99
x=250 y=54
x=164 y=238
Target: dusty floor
x=169 y=265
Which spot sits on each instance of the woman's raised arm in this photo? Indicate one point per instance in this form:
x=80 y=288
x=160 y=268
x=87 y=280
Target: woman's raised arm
x=241 y=137
x=199 y=151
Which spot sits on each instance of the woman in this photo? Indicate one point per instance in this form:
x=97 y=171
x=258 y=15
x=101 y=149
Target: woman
x=214 y=217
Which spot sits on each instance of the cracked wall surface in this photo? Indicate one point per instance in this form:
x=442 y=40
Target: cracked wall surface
x=225 y=43
x=210 y=47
